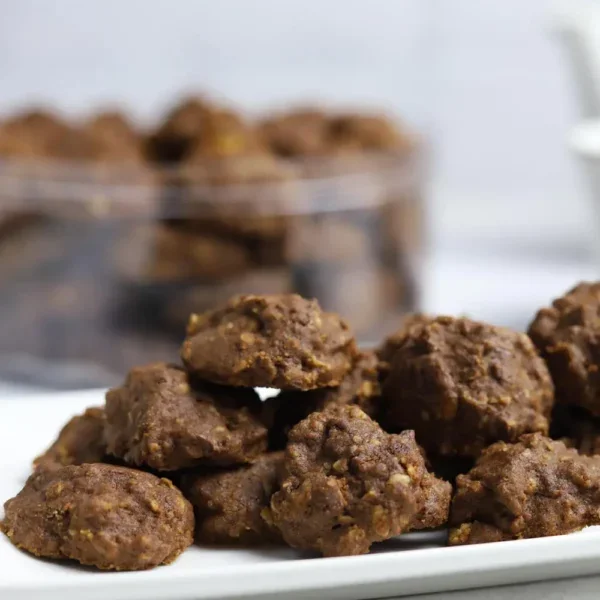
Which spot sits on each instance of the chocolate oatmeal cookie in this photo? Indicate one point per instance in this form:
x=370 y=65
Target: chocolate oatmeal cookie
x=162 y=419
x=180 y=129
x=567 y=335
x=348 y=484
x=534 y=488
x=80 y=441
x=114 y=125
x=102 y=515
x=112 y=138
x=463 y=385
x=224 y=135
x=29 y=134
x=282 y=341
x=360 y=386
x=228 y=504
x=366 y=132
x=298 y=133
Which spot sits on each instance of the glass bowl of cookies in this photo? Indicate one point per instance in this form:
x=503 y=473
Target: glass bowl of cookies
x=111 y=234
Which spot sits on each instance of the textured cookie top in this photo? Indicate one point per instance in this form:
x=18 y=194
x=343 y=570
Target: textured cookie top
x=463 y=385
x=282 y=341
x=535 y=488
x=102 y=515
x=162 y=419
x=568 y=336
x=347 y=483
x=229 y=504
x=80 y=441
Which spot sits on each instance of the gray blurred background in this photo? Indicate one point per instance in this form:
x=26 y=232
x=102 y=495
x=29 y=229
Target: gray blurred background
x=486 y=82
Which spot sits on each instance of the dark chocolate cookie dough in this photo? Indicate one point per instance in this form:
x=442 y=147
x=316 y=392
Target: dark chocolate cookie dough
x=534 y=488
x=80 y=441
x=102 y=515
x=162 y=419
x=463 y=385
x=282 y=341
x=228 y=504
x=568 y=336
x=348 y=484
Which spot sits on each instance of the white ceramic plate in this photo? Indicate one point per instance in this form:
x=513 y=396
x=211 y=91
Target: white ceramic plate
x=411 y=564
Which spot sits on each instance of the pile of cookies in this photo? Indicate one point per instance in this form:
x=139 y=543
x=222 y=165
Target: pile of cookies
x=445 y=424
x=152 y=223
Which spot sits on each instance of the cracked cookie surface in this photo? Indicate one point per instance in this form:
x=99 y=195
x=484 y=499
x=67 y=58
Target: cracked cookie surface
x=106 y=516
x=166 y=420
x=463 y=385
x=567 y=335
x=347 y=484
x=534 y=488
x=281 y=341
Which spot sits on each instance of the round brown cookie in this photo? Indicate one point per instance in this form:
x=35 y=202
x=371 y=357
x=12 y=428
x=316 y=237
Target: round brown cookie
x=40 y=121
x=366 y=132
x=567 y=334
x=102 y=515
x=348 y=484
x=360 y=386
x=162 y=419
x=80 y=441
x=534 y=488
x=28 y=134
x=463 y=385
x=174 y=137
x=14 y=146
x=224 y=134
x=228 y=504
x=112 y=124
x=282 y=341
x=112 y=138
x=295 y=134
